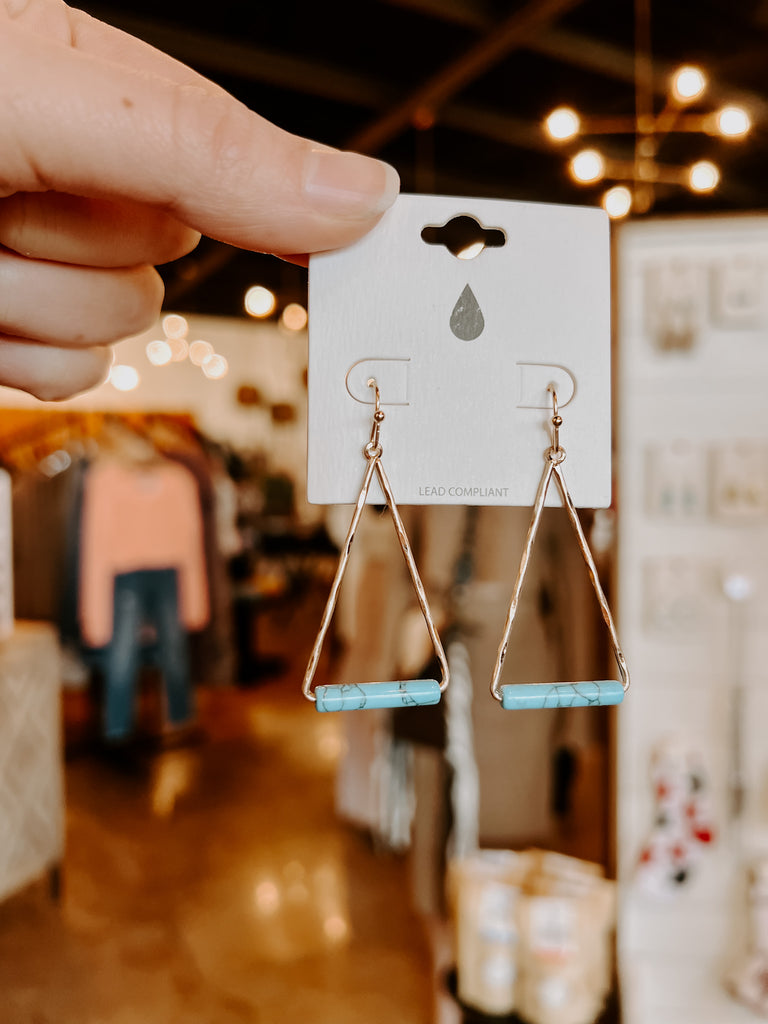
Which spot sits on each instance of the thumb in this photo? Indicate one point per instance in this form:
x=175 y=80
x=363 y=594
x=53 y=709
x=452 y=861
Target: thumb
x=77 y=122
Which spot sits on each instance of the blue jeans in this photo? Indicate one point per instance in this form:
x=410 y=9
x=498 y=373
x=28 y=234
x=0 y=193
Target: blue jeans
x=147 y=597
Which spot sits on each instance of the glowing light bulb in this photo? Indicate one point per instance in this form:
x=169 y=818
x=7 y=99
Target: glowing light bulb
x=617 y=202
x=259 y=301
x=179 y=349
x=175 y=326
x=562 y=124
x=267 y=897
x=587 y=166
x=215 y=366
x=199 y=352
x=159 y=353
x=688 y=83
x=733 y=122
x=470 y=251
x=124 y=378
x=336 y=928
x=294 y=317
x=704 y=176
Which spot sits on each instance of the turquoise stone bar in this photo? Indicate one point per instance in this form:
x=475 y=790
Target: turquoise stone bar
x=356 y=696
x=591 y=693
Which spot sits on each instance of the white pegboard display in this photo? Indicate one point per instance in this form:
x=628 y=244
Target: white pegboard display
x=463 y=350
x=693 y=515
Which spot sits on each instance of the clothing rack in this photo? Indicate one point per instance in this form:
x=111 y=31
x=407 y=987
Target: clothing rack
x=28 y=436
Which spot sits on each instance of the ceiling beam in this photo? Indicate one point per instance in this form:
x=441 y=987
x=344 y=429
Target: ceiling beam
x=587 y=52
x=311 y=78
x=604 y=58
x=216 y=54
x=511 y=34
x=594 y=55
x=476 y=14
x=497 y=126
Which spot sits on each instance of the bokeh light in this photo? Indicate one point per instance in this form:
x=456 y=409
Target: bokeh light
x=688 y=83
x=587 y=166
x=294 y=317
x=562 y=124
x=175 y=326
x=704 y=176
x=179 y=349
x=259 y=301
x=617 y=202
x=159 y=353
x=215 y=366
x=733 y=122
x=199 y=351
x=470 y=251
x=124 y=378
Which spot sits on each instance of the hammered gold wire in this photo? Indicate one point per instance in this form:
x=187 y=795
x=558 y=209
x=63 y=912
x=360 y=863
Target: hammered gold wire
x=373 y=452
x=555 y=456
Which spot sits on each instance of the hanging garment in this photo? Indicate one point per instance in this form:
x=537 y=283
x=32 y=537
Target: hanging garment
x=69 y=585
x=213 y=650
x=42 y=514
x=148 y=597
x=139 y=516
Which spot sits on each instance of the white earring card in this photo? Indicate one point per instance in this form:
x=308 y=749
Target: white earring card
x=463 y=348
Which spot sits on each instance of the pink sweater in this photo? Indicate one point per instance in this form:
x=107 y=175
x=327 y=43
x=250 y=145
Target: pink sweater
x=139 y=517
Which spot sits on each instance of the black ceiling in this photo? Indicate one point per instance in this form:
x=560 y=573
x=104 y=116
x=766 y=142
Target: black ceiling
x=453 y=92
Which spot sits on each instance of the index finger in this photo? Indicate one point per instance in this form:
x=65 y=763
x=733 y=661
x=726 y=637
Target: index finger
x=102 y=40
x=76 y=122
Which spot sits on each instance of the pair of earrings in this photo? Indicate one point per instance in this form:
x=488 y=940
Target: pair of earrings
x=422 y=692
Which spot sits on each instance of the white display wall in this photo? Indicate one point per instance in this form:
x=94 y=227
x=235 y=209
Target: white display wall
x=692 y=468
x=262 y=355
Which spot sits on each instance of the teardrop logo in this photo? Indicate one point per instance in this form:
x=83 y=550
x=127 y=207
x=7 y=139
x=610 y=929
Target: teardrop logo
x=467 y=320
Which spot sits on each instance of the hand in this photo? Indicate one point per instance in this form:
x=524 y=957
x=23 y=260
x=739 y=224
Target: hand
x=114 y=158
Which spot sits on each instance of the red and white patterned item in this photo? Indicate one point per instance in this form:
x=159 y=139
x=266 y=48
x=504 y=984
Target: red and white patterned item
x=682 y=820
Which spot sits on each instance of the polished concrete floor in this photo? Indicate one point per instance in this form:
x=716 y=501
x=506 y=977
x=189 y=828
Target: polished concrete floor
x=213 y=884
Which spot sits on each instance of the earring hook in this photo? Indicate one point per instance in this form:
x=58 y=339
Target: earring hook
x=371 y=382
x=555 y=453
x=373 y=449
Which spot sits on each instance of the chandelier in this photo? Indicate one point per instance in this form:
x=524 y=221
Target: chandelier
x=635 y=182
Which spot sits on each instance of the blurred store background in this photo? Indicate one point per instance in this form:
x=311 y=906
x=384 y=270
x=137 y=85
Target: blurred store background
x=181 y=835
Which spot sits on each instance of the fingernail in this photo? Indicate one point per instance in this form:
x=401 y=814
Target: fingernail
x=349 y=184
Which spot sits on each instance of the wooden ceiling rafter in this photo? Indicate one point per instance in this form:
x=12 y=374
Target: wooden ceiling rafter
x=429 y=99
x=316 y=78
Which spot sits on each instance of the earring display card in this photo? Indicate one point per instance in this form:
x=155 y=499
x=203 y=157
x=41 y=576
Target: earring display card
x=677 y=481
x=674 y=298
x=679 y=593
x=740 y=482
x=464 y=311
x=738 y=294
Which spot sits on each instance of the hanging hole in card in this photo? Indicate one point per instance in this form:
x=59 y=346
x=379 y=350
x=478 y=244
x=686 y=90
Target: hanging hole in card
x=464 y=237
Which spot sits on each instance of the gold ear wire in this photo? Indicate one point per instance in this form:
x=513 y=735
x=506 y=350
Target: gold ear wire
x=557 y=695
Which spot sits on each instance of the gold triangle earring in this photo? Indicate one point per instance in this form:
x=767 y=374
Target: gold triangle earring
x=558 y=695
x=401 y=693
